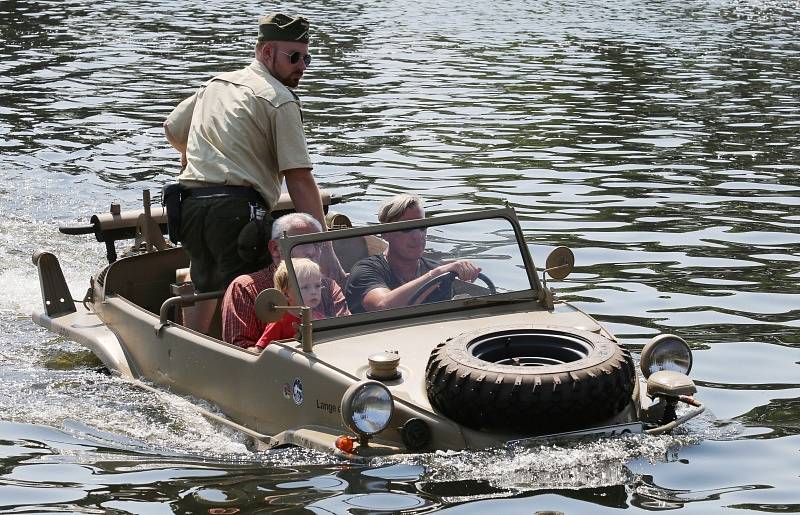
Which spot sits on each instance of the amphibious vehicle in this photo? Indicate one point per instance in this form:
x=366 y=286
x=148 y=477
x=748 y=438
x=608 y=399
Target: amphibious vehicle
x=501 y=361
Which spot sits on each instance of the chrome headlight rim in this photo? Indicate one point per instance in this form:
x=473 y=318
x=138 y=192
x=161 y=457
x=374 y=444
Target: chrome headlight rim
x=354 y=407
x=654 y=352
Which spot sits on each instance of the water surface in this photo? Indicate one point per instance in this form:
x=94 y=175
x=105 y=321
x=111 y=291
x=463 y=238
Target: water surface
x=659 y=140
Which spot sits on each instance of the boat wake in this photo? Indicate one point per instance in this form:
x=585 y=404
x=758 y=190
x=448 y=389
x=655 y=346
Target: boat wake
x=512 y=471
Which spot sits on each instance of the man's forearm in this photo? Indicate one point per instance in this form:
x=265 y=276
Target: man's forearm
x=305 y=196
x=304 y=193
x=178 y=145
x=384 y=298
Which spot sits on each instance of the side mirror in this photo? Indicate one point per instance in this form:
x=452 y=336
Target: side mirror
x=559 y=263
x=270 y=306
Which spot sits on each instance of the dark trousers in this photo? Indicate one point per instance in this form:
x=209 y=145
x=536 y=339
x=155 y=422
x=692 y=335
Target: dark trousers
x=210 y=227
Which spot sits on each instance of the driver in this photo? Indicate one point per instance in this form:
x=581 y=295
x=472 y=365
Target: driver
x=389 y=280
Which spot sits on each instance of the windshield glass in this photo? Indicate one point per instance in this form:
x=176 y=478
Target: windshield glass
x=384 y=270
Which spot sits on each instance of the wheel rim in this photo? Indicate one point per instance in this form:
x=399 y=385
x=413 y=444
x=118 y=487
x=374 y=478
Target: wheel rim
x=530 y=349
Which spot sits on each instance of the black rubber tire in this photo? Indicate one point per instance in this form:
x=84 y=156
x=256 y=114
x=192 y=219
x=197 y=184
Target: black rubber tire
x=591 y=380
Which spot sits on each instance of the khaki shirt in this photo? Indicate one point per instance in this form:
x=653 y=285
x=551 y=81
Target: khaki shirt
x=242 y=128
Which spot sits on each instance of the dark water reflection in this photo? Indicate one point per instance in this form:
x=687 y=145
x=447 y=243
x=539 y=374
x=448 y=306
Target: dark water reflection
x=660 y=140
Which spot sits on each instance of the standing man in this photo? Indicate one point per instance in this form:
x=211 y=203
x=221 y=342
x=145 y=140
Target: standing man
x=240 y=135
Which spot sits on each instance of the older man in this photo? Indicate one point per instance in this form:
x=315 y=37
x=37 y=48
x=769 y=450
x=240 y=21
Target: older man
x=389 y=280
x=240 y=325
x=239 y=136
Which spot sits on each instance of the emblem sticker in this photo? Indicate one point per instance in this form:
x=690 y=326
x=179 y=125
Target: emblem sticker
x=287 y=391
x=297 y=391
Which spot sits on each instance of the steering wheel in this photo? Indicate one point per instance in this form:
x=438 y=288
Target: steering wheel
x=446 y=280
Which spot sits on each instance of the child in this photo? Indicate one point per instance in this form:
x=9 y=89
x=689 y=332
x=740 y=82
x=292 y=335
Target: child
x=310 y=280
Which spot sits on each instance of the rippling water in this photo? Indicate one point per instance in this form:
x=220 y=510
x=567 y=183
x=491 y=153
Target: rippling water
x=659 y=140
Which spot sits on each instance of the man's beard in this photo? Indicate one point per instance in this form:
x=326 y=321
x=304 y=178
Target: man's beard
x=291 y=81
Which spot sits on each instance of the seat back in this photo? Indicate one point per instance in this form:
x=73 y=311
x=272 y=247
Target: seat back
x=351 y=250
x=203 y=316
x=145 y=279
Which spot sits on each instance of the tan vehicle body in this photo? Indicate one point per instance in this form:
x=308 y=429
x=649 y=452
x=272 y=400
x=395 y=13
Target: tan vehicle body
x=285 y=395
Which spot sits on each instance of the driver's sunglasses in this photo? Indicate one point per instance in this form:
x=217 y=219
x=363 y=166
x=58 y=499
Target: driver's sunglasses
x=294 y=57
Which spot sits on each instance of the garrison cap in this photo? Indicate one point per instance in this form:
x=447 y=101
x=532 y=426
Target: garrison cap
x=279 y=27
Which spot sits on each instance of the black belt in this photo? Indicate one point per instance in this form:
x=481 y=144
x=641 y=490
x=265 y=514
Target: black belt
x=224 y=191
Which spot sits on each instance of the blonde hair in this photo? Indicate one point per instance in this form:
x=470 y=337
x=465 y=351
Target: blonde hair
x=394 y=208
x=303 y=269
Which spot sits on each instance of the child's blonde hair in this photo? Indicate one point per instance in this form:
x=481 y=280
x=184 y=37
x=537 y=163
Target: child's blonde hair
x=303 y=268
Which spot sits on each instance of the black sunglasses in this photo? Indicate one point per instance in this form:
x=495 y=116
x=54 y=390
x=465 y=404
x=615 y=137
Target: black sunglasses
x=294 y=57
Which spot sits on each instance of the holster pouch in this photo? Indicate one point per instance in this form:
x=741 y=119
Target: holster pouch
x=171 y=199
x=253 y=238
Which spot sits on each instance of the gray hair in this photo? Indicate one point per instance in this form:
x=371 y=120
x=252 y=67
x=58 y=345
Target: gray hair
x=394 y=208
x=286 y=222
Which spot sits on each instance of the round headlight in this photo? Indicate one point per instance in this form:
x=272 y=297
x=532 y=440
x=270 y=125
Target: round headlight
x=367 y=407
x=666 y=352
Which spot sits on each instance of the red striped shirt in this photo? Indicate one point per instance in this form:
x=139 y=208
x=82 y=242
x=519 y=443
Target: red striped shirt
x=241 y=326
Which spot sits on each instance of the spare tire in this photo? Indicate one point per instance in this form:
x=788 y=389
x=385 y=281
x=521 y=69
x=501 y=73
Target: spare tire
x=529 y=380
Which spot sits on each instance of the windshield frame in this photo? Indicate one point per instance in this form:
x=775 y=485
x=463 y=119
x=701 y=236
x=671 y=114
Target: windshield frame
x=287 y=243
